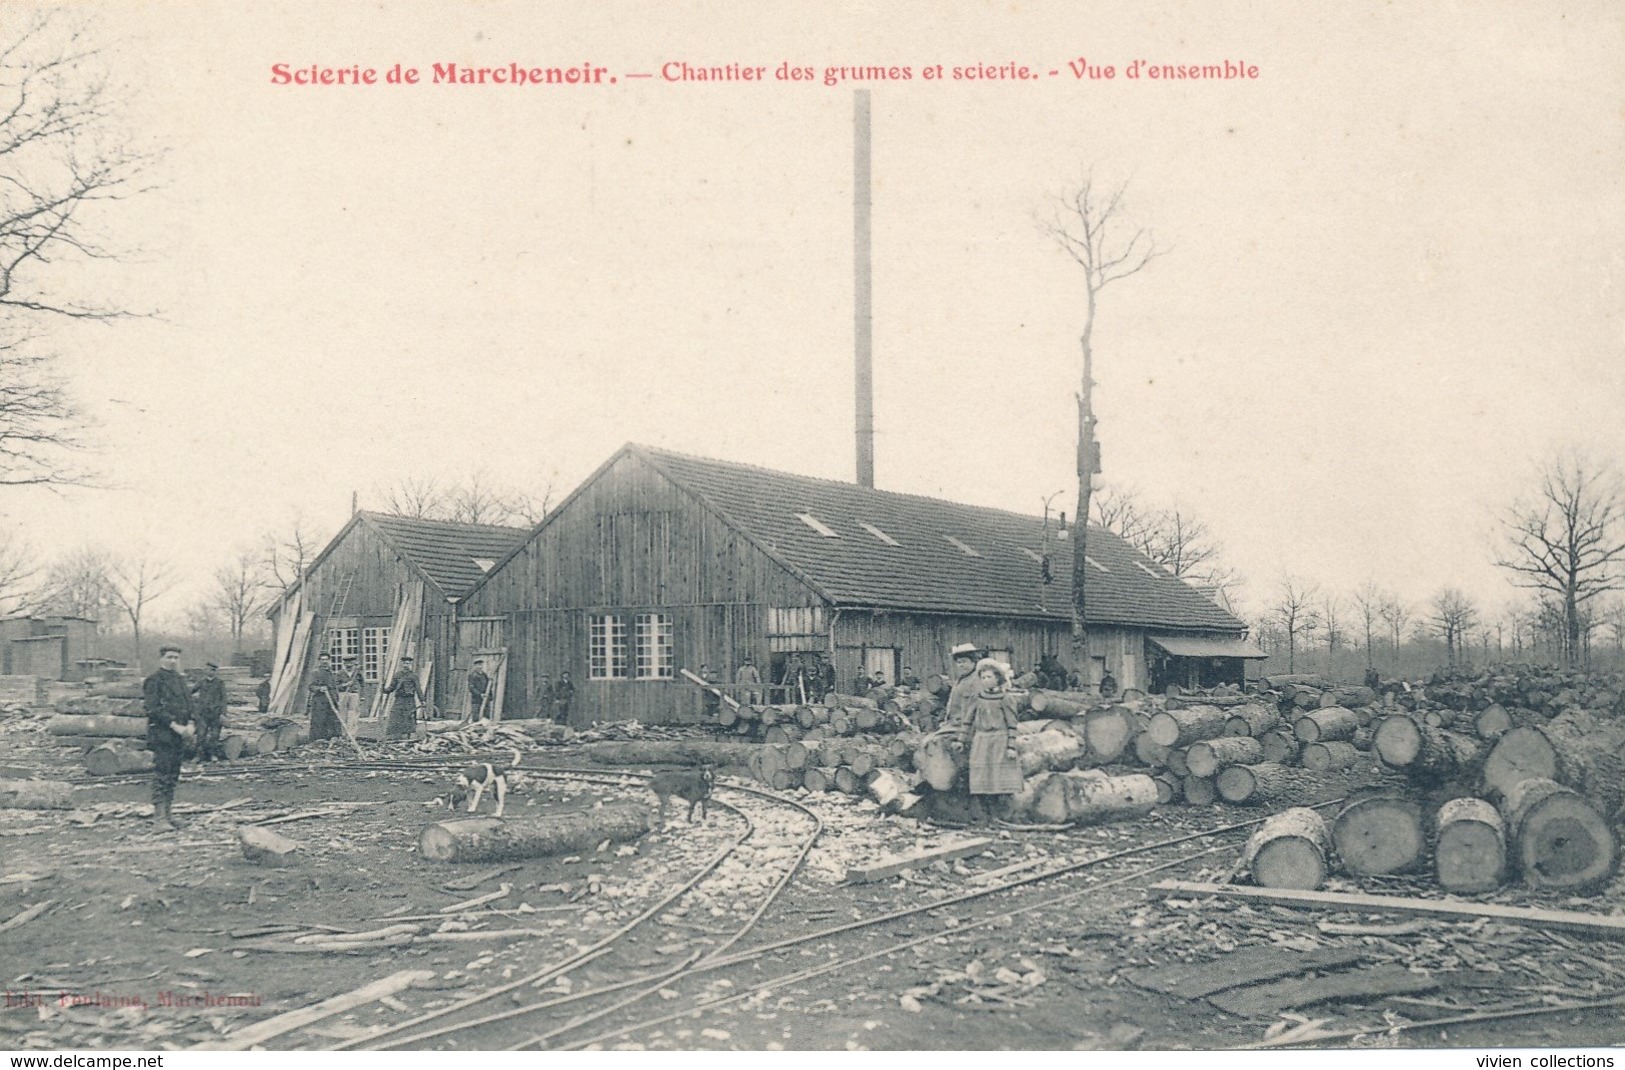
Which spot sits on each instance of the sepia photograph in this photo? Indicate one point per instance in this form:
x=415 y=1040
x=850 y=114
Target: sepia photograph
x=688 y=527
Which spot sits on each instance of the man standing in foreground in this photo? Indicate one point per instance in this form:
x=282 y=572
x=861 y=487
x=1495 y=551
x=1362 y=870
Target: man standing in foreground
x=169 y=715
x=403 y=709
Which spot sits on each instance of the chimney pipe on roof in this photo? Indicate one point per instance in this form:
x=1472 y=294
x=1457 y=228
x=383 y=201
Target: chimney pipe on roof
x=863 y=312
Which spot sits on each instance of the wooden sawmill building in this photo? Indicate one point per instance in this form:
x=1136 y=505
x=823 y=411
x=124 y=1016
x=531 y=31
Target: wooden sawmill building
x=661 y=562
x=354 y=590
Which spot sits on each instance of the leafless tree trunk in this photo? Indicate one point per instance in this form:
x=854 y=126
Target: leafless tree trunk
x=63 y=164
x=1396 y=613
x=1088 y=224
x=1294 y=612
x=1331 y=610
x=239 y=593
x=78 y=585
x=1568 y=541
x=1453 y=614
x=1368 y=603
x=418 y=497
x=135 y=582
x=284 y=558
x=18 y=571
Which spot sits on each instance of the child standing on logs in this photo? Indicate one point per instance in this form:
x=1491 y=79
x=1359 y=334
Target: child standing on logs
x=986 y=730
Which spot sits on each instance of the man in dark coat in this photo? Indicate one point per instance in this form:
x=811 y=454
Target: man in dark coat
x=564 y=693
x=403 y=709
x=209 y=704
x=478 y=684
x=323 y=701
x=263 y=693
x=169 y=717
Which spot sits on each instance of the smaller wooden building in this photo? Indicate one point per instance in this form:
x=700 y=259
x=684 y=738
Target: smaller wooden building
x=356 y=585
x=51 y=646
x=661 y=562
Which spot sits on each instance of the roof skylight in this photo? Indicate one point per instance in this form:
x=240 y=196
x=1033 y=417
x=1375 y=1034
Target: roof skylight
x=818 y=525
x=877 y=533
x=965 y=549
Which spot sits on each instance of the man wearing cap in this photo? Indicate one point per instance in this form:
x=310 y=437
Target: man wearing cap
x=479 y=682
x=966 y=685
x=350 y=683
x=403 y=710
x=209 y=703
x=322 y=702
x=169 y=716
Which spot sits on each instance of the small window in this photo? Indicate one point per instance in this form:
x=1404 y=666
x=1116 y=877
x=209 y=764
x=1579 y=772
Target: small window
x=817 y=525
x=606 y=647
x=966 y=550
x=484 y=564
x=1149 y=571
x=877 y=533
x=1095 y=563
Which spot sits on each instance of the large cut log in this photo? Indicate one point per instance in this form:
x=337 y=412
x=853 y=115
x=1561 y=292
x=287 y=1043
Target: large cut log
x=1280 y=746
x=1060 y=703
x=1289 y=851
x=1149 y=752
x=1326 y=725
x=1252 y=720
x=1280 y=681
x=1492 y=722
x=1109 y=732
x=1350 y=697
x=1199 y=790
x=1329 y=757
x=1470 y=854
x=1558 y=838
x=105 y=725
x=1181 y=728
x=1175 y=761
x=1047 y=752
x=938 y=762
x=485 y=839
x=109 y=759
x=1170 y=789
x=1427 y=754
x=36 y=795
x=1574 y=748
x=1265 y=783
x=1019 y=807
x=818 y=779
x=1091 y=798
x=1207 y=758
x=1379 y=834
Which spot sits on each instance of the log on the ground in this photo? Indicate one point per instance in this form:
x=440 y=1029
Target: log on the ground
x=1290 y=850
x=266 y=848
x=484 y=839
x=642 y=752
x=1149 y=752
x=1175 y=761
x=1492 y=722
x=1265 y=783
x=1326 y=725
x=1379 y=834
x=1170 y=788
x=110 y=759
x=1209 y=757
x=1558 y=838
x=1090 y=798
x=36 y=795
x=1574 y=748
x=1199 y=790
x=1329 y=757
x=1181 y=728
x=234 y=744
x=888 y=787
x=818 y=779
x=96 y=705
x=1110 y=732
x=1055 y=751
x=938 y=762
x=1427 y=754
x=1018 y=808
x=1280 y=746
x=1060 y=703
x=1470 y=854
x=1251 y=720
x=64 y=724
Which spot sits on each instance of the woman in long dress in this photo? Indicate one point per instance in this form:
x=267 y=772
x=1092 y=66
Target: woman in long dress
x=986 y=730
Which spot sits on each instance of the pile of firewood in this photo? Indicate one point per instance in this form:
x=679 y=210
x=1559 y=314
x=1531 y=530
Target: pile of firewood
x=883 y=711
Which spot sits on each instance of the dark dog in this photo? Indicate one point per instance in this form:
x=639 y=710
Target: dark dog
x=693 y=786
x=475 y=780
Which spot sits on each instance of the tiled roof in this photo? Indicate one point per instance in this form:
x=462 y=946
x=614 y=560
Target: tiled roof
x=947 y=557
x=447 y=552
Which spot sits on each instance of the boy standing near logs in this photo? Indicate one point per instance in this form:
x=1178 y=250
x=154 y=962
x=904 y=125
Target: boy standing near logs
x=169 y=715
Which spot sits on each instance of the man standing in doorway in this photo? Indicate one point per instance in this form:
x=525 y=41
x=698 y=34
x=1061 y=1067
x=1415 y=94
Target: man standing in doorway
x=564 y=693
x=749 y=684
x=169 y=716
x=478 y=684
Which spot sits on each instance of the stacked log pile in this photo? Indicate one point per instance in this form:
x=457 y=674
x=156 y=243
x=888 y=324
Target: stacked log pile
x=112 y=733
x=883 y=711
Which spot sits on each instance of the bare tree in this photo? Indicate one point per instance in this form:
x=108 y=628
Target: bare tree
x=418 y=497
x=1368 y=603
x=1089 y=226
x=1453 y=616
x=239 y=593
x=18 y=571
x=529 y=508
x=284 y=557
x=1396 y=613
x=136 y=581
x=1331 y=619
x=78 y=584
x=1119 y=510
x=1568 y=541
x=1293 y=611
x=63 y=163
x=1174 y=538
x=475 y=500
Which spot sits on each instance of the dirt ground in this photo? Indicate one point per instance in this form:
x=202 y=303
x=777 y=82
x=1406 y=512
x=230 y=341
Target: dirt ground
x=151 y=935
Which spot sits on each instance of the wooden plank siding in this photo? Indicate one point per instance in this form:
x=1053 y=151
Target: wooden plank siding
x=631 y=542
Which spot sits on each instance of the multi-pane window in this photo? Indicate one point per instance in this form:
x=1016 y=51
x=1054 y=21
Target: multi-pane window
x=655 y=660
x=374 y=652
x=343 y=643
x=606 y=647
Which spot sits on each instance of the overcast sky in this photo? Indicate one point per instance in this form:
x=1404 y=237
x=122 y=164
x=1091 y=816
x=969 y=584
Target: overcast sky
x=1392 y=278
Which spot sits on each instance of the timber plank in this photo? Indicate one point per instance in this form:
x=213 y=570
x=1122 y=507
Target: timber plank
x=1268 y=1000
x=1247 y=966
x=1609 y=925
x=895 y=864
x=260 y=1032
